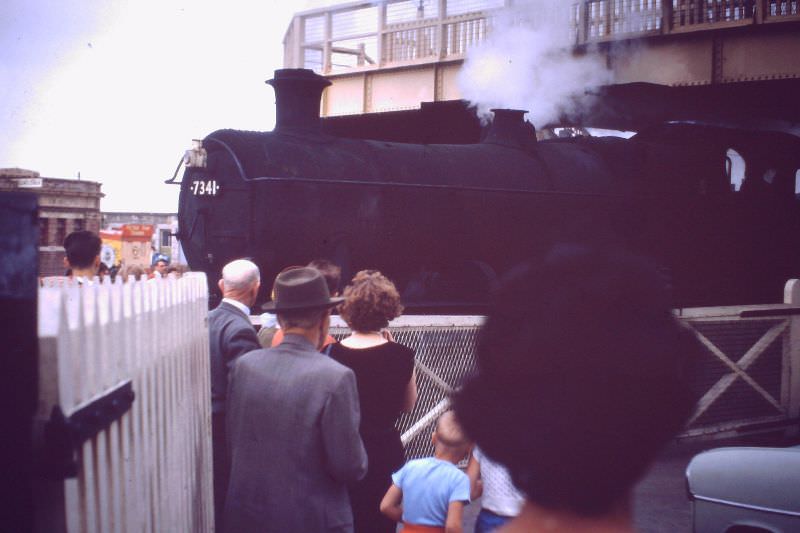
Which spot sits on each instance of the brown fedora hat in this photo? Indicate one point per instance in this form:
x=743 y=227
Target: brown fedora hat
x=300 y=288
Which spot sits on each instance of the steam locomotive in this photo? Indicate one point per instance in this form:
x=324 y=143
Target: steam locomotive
x=445 y=220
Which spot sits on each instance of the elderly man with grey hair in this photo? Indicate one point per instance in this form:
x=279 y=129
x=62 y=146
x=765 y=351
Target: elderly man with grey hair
x=230 y=335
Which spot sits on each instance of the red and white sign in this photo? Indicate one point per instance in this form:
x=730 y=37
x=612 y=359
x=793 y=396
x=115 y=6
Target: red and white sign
x=137 y=232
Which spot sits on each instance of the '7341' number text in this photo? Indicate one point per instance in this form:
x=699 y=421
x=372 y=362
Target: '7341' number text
x=204 y=187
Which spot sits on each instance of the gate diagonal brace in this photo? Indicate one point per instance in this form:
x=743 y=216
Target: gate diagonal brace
x=738 y=369
x=64 y=435
x=439 y=382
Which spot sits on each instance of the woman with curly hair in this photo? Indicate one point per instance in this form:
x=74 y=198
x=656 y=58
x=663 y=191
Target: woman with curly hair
x=387 y=386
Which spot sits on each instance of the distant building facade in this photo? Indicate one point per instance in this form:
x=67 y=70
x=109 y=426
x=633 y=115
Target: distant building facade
x=165 y=226
x=65 y=205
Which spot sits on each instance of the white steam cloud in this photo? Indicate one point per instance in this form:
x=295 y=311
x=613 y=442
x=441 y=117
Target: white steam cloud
x=527 y=63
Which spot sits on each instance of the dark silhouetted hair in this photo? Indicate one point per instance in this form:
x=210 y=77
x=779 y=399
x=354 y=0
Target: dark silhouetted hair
x=370 y=302
x=82 y=247
x=581 y=378
x=331 y=272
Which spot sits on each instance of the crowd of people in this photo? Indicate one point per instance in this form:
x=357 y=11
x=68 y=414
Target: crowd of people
x=82 y=262
x=581 y=378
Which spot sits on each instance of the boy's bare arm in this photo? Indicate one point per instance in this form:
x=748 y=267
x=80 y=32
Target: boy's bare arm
x=391 y=504
x=454 y=512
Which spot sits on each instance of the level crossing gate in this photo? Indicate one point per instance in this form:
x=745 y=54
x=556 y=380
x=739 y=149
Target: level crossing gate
x=748 y=378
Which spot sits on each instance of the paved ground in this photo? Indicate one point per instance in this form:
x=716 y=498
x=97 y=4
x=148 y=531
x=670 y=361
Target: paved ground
x=660 y=500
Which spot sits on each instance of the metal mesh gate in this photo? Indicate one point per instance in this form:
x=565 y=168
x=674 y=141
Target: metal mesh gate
x=445 y=354
x=742 y=381
x=743 y=377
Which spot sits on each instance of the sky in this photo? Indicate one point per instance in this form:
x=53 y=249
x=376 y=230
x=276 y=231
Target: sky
x=116 y=90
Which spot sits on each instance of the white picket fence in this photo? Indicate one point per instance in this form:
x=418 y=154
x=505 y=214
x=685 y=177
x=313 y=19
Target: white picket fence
x=150 y=470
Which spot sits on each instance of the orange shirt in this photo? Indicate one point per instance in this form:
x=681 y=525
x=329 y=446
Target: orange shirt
x=278 y=338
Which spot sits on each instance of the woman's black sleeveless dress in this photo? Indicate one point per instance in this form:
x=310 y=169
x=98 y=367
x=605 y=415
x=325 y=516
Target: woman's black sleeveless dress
x=382 y=374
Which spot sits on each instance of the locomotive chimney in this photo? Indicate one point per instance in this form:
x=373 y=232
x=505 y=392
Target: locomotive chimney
x=509 y=128
x=297 y=98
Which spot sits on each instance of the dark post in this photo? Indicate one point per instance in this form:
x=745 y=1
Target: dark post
x=667 y=21
x=583 y=18
x=19 y=371
x=760 y=14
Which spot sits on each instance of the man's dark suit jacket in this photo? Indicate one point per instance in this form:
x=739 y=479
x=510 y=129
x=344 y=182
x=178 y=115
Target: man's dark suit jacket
x=230 y=335
x=293 y=418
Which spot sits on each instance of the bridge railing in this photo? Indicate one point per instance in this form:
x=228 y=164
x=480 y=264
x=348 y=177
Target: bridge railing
x=748 y=379
x=123 y=422
x=391 y=33
x=364 y=35
x=608 y=20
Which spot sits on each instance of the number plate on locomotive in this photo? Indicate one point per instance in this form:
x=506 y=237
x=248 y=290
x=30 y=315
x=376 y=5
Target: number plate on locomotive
x=204 y=187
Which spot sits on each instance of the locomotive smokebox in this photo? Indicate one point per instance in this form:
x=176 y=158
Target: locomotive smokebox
x=297 y=99
x=509 y=128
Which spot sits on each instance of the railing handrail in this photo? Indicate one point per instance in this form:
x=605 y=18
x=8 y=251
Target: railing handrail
x=676 y=17
x=434 y=21
x=325 y=37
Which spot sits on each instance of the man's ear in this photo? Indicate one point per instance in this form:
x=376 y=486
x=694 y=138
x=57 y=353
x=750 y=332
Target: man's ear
x=221 y=285
x=96 y=262
x=66 y=262
x=254 y=293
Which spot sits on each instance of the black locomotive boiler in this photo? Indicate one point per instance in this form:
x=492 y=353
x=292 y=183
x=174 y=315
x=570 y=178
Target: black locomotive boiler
x=444 y=220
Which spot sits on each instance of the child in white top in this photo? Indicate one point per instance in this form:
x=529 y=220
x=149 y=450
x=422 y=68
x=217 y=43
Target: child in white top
x=501 y=501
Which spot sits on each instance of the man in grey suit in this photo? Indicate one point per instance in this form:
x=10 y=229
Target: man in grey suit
x=293 y=419
x=230 y=335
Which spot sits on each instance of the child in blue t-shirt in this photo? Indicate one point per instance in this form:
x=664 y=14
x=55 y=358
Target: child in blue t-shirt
x=429 y=494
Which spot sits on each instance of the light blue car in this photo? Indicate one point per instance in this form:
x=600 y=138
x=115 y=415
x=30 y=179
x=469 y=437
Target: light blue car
x=745 y=490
